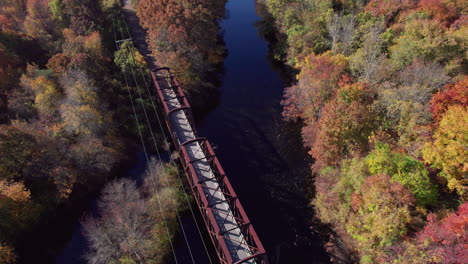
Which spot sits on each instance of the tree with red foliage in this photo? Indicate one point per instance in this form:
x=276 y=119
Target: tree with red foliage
x=443 y=10
x=5 y=23
x=58 y=63
x=452 y=94
x=389 y=8
x=441 y=241
x=13 y=13
x=344 y=125
x=447 y=239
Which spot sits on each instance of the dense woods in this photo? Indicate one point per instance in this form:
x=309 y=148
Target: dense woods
x=185 y=36
x=66 y=120
x=61 y=134
x=382 y=91
x=381 y=88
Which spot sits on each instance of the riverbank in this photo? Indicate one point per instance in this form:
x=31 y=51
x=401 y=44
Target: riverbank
x=370 y=97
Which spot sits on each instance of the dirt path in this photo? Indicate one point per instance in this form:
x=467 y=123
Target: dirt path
x=138 y=34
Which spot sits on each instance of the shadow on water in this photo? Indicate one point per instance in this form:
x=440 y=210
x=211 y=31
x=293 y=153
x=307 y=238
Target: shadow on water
x=262 y=154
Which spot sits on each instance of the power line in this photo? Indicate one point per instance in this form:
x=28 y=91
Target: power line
x=167 y=144
x=156 y=147
x=145 y=151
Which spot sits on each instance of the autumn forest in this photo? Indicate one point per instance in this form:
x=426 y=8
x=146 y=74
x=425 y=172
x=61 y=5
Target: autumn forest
x=378 y=89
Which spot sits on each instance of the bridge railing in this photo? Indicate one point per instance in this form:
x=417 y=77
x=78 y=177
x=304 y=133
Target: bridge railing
x=207 y=213
x=167 y=81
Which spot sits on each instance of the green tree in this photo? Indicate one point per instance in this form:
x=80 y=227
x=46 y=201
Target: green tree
x=21 y=149
x=55 y=7
x=334 y=190
x=404 y=169
x=128 y=57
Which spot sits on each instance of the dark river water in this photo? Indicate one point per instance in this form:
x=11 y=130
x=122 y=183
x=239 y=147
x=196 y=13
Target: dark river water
x=262 y=154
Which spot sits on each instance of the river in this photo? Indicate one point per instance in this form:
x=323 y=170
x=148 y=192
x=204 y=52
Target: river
x=262 y=154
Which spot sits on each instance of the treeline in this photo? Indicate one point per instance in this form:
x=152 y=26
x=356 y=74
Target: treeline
x=64 y=109
x=383 y=94
x=185 y=36
x=136 y=224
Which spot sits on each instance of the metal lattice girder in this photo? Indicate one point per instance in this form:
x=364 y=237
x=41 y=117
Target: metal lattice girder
x=229 y=228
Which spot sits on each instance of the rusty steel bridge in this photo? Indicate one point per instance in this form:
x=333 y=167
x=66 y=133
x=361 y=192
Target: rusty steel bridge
x=230 y=230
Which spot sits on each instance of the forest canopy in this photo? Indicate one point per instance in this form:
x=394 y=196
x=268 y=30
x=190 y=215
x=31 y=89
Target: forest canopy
x=59 y=133
x=382 y=91
x=67 y=120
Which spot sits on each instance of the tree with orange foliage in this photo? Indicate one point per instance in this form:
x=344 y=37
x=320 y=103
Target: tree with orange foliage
x=16 y=210
x=14 y=190
x=317 y=82
x=58 y=63
x=14 y=12
x=445 y=11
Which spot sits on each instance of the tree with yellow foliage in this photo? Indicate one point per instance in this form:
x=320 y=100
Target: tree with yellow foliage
x=449 y=150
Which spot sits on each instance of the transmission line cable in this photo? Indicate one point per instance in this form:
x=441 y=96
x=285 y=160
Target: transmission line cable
x=157 y=151
x=167 y=144
x=145 y=151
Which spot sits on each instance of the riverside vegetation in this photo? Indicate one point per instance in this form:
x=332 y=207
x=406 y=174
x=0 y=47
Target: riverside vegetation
x=66 y=123
x=383 y=94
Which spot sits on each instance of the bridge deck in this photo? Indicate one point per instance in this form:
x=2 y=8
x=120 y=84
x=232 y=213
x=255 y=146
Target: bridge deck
x=226 y=222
